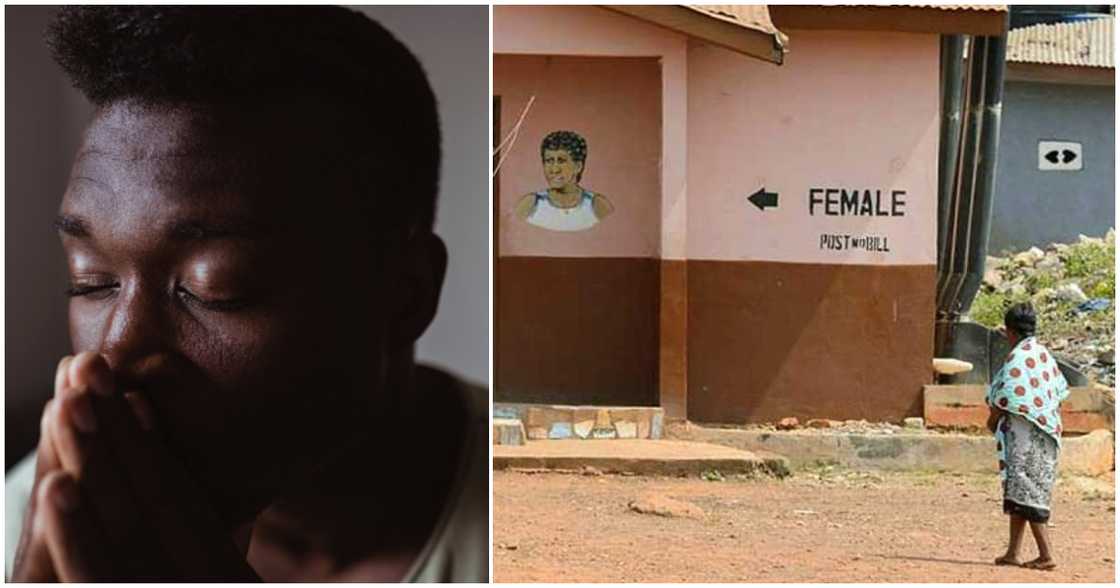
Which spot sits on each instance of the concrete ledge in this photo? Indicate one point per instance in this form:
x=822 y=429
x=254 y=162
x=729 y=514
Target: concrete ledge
x=962 y=407
x=556 y=421
x=1087 y=455
x=643 y=457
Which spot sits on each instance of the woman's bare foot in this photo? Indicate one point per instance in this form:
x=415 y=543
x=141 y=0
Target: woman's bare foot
x=1041 y=564
x=1008 y=559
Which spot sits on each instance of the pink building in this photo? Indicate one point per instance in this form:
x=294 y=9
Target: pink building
x=740 y=221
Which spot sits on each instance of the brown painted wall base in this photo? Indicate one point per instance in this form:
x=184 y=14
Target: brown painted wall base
x=762 y=340
x=771 y=340
x=577 y=330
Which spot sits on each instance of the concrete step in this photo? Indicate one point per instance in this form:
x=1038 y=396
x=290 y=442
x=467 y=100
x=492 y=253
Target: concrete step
x=644 y=457
x=508 y=432
x=557 y=421
x=963 y=407
x=1085 y=455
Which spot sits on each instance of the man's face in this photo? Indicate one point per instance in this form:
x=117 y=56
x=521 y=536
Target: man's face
x=210 y=266
x=560 y=169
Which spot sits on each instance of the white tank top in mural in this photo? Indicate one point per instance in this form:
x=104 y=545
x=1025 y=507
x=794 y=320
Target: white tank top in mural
x=577 y=218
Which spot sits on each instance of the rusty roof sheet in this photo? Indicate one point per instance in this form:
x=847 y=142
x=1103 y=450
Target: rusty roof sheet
x=752 y=16
x=1085 y=43
x=746 y=29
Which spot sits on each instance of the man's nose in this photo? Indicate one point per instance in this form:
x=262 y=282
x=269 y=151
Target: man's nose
x=136 y=328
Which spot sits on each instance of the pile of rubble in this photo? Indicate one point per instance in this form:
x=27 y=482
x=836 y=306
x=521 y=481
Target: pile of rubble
x=1072 y=287
x=909 y=425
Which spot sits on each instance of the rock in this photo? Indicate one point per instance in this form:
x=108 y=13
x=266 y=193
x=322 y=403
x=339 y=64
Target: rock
x=1059 y=344
x=1071 y=292
x=1110 y=237
x=1107 y=357
x=993 y=277
x=661 y=505
x=820 y=423
x=788 y=423
x=914 y=423
x=992 y=262
x=1049 y=264
x=1082 y=239
x=1030 y=256
x=590 y=471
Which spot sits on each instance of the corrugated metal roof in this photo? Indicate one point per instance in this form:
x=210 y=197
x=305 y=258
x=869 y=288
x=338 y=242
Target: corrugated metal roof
x=1086 y=43
x=752 y=16
x=746 y=29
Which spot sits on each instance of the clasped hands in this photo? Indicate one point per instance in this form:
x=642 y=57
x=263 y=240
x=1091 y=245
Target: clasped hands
x=109 y=501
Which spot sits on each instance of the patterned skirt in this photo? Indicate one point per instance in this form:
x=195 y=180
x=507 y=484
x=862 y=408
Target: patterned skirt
x=1031 y=468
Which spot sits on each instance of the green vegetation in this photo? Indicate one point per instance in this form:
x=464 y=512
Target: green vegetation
x=1056 y=281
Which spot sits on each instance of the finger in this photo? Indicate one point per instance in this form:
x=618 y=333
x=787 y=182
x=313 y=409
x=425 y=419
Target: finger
x=75 y=543
x=46 y=458
x=142 y=410
x=171 y=500
x=62 y=373
x=33 y=559
x=32 y=562
x=90 y=370
x=88 y=456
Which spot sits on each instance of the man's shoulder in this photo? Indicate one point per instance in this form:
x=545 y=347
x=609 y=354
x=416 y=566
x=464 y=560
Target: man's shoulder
x=459 y=551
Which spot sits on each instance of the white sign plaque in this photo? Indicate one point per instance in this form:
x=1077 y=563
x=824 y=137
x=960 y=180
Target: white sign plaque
x=1059 y=156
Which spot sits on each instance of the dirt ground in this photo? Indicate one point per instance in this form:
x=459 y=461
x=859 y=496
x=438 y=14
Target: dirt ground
x=824 y=525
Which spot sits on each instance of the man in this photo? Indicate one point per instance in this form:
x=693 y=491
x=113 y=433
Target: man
x=248 y=230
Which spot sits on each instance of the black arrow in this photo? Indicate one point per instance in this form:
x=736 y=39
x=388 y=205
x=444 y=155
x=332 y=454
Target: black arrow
x=1052 y=156
x=1068 y=156
x=763 y=199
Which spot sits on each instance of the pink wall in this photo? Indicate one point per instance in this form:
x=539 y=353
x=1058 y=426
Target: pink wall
x=615 y=104
x=853 y=110
x=597 y=32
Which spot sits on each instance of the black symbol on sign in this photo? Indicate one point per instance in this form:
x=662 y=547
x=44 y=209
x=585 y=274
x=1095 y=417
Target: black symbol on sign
x=763 y=199
x=1065 y=155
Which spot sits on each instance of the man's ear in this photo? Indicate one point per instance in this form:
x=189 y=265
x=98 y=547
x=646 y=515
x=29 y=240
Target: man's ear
x=423 y=265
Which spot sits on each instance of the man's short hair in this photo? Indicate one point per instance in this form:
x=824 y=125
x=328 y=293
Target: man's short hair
x=171 y=55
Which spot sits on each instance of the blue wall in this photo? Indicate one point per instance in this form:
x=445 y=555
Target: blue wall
x=1035 y=207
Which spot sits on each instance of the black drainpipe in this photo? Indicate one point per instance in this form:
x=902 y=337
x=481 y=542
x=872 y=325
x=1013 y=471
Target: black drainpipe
x=968 y=164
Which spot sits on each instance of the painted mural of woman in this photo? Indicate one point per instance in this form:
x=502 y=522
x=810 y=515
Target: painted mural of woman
x=565 y=205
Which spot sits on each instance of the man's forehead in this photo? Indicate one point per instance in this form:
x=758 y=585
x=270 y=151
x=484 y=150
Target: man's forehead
x=132 y=131
x=195 y=150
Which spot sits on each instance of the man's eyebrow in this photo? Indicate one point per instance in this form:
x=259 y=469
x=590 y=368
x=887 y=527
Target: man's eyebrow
x=74 y=226
x=195 y=230
x=191 y=230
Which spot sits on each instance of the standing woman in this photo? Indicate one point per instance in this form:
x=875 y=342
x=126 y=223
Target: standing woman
x=1024 y=400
